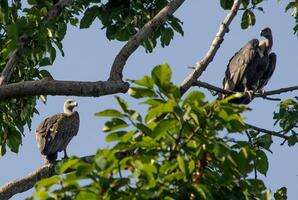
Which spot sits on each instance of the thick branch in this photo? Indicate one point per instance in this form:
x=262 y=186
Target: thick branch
x=143 y=34
x=23 y=41
x=68 y=88
x=26 y=183
x=202 y=64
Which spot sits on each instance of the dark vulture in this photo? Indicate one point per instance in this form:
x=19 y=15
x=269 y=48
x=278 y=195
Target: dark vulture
x=54 y=133
x=250 y=69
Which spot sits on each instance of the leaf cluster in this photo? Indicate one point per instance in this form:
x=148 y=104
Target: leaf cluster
x=181 y=149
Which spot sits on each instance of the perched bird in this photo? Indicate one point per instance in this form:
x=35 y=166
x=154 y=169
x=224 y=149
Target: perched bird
x=54 y=133
x=250 y=69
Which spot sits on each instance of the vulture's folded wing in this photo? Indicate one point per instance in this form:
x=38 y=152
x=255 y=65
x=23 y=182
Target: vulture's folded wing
x=238 y=66
x=54 y=133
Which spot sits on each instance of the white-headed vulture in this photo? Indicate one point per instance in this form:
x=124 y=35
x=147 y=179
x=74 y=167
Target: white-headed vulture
x=250 y=69
x=54 y=133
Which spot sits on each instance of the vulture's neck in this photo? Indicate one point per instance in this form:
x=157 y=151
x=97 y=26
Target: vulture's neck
x=268 y=42
x=68 y=111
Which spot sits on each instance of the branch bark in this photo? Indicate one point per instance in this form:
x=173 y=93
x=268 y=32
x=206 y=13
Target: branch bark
x=143 y=34
x=68 y=88
x=23 y=41
x=201 y=66
x=26 y=183
x=257 y=94
x=273 y=133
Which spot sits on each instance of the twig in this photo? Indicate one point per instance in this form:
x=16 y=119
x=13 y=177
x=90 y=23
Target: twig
x=23 y=41
x=26 y=183
x=202 y=64
x=140 y=37
x=273 y=133
x=68 y=88
x=257 y=94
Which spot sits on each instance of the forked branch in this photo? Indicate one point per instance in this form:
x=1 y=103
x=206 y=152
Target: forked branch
x=143 y=34
x=201 y=66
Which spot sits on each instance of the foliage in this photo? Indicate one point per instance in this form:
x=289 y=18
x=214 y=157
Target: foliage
x=32 y=29
x=176 y=151
x=287 y=118
x=39 y=27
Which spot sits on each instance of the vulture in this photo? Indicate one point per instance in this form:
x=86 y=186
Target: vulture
x=54 y=133
x=250 y=69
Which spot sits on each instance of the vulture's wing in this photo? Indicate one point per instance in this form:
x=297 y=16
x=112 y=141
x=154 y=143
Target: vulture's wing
x=268 y=73
x=54 y=133
x=239 y=65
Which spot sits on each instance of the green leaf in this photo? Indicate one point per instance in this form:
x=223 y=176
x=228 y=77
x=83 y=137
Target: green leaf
x=155 y=111
x=14 y=139
x=202 y=192
x=226 y=4
x=109 y=113
x=138 y=92
x=175 y=23
x=161 y=74
x=146 y=81
x=248 y=19
x=89 y=16
x=44 y=73
x=166 y=37
x=262 y=164
x=122 y=103
x=292 y=140
x=181 y=164
x=48 y=182
x=281 y=194
x=86 y=195
x=70 y=163
x=114 y=124
x=163 y=127
x=120 y=136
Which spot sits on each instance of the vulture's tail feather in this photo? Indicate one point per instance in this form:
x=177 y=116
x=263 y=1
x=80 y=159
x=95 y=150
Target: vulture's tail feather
x=50 y=158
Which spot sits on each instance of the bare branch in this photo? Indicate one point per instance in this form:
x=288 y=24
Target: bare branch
x=212 y=87
x=68 y=88
x=23 y=41
x=202 y=64
x=143 y=34
x=257 y=94
x=26 y=183
x=273 y=133
x=281 y=90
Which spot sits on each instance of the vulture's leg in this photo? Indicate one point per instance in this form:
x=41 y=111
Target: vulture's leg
x=65 y=154
x=250 y=93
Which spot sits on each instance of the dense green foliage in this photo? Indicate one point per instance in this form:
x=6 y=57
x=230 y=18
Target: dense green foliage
x=183 y=148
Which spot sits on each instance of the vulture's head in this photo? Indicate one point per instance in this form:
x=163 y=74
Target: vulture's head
x=266 y=32
x=69 y=104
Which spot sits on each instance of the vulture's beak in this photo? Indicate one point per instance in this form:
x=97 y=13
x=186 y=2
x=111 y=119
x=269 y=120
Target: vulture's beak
x=75 y=104
x=261 y=33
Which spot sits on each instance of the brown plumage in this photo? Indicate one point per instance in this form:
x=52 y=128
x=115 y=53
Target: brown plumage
x=55 y=132
x=251 y=67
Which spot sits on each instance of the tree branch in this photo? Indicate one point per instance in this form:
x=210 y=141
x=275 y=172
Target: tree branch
x=23 y=41
x=202 y=64
x=273 y=133
x=26 y=183
x=143 y=34
x=257 y=94
x=68 y=88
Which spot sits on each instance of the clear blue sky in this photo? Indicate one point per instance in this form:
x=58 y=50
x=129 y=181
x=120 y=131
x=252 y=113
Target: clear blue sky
x=89 y=55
